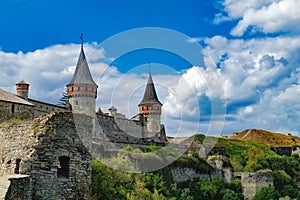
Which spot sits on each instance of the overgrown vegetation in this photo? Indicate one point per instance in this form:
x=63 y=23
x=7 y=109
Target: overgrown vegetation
x=194 y=162
x=244 y=155
x=112 y=184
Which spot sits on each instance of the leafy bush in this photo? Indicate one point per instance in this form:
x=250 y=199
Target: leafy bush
x=269 y=193
x=215 y=189
x=194 y=162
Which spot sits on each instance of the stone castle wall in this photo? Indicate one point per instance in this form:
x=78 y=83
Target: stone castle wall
x=41 y=108
x=252 y=183
x=20 y=188
x=181 y=174
x=10 y=110
x=50 y=151
x=127 y=131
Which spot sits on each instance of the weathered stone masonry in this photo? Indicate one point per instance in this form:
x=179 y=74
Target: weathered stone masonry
x=50 y=151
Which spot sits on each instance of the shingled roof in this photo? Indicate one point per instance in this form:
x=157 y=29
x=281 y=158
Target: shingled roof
x=8 y=97
x=82 y=73
x=150 y=96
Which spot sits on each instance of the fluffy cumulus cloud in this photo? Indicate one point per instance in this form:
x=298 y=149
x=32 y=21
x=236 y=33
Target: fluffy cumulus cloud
x=268 y=16
x=260 y=79
x=46 y=70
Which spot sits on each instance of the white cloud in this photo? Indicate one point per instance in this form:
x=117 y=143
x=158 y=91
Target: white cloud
x=236 y=9
x=268 y=16
x=261 y=81
x=194 y=40
x=47 y=70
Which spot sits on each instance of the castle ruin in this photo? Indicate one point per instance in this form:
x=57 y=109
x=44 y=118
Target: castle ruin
x=43 y=149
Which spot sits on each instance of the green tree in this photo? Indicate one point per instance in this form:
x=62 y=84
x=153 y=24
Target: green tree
x=63 y=101
x=281 y=179
x=290 y=191
x=269 y=193
x=229 y=195
x=256 y=160
x=180 y=194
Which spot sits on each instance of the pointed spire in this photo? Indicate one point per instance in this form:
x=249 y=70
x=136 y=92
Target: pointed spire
x=81 y=38
x=149 y=67
x=150 y=96
x=82 y=74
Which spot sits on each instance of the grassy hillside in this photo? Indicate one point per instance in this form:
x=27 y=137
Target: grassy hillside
x=250 y=150
x=246 y=155
x=267 y=137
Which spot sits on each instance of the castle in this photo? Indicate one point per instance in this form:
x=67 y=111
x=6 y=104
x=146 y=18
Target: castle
x=46 y=157
x=46 y=150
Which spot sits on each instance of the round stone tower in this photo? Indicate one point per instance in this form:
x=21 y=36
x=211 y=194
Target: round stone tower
x=22 y=89
x=150 y=108
x=82 y=90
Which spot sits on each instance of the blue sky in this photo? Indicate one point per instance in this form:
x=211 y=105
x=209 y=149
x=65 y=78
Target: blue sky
x=219 y=65
x=34 y=24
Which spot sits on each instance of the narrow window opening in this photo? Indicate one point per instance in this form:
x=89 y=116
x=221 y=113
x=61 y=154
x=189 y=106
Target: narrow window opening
x=76 y=102
x=78 y=89
x=17 y=168
x=12 y=108
x=63 y=167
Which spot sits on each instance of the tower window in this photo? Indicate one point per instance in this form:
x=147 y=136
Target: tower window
x=78 y=89
x=76 y=102
x=72 y=89
x=63 y=167
x=17 y=169
x=86 y=88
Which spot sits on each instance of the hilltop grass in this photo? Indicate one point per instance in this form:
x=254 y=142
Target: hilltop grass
x=238 y=147
x=268 y=138
x=246 y=155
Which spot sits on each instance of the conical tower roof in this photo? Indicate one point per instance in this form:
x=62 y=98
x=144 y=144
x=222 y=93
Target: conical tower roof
x=22 y=82
x=82 y=73
x=150 y=96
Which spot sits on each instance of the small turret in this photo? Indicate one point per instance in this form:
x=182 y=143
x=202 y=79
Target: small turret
x=22 y=89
